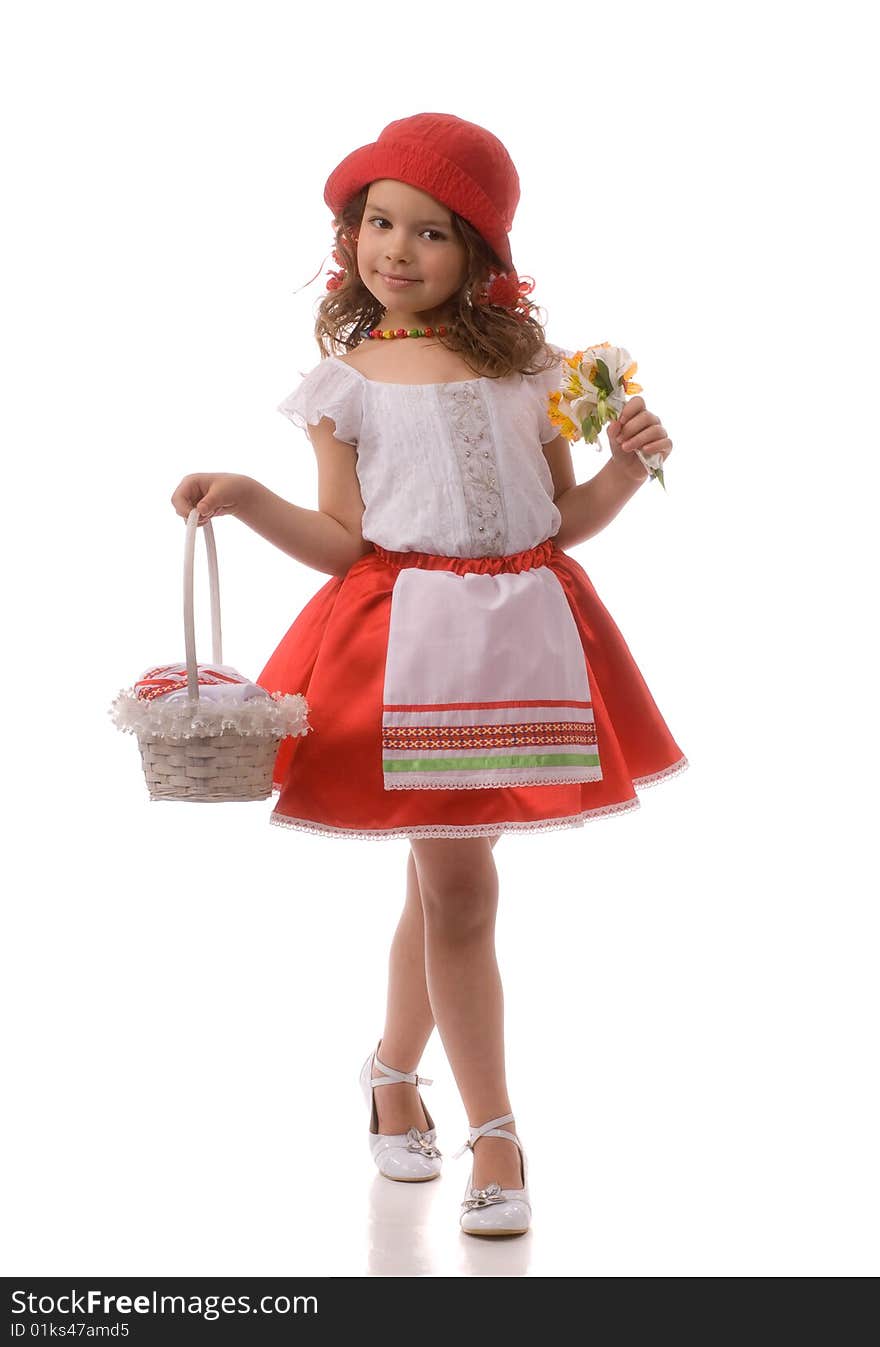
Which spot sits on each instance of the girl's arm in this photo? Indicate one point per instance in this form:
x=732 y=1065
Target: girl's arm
x=328 y=539
x=314 y=538
x=589 y=506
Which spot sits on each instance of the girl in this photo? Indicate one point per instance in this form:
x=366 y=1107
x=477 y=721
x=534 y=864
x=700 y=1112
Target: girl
x=464 y=680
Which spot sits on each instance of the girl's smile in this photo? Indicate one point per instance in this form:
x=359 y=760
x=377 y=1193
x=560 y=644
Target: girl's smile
x=398 y=282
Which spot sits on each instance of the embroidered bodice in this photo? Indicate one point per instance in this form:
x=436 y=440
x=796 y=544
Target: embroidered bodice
x=451 y=468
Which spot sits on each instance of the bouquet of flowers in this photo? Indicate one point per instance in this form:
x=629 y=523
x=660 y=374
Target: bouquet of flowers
x=594 y=388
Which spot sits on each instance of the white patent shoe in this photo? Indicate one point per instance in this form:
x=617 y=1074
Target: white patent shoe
x=494 y=1210
x=408 y=1157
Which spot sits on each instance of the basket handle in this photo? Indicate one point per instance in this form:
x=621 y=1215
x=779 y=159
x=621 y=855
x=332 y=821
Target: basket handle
x=189 y=632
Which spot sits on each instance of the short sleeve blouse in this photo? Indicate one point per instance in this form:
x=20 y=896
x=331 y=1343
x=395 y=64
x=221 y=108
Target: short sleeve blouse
x=330 y=389
x=544 y=384
x=452 y=468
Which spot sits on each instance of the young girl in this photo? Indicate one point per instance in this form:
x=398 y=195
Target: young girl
x=463 y=678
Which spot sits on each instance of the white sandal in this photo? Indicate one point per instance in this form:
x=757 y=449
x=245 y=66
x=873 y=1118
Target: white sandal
x=409 y=1157
x=494 y=1210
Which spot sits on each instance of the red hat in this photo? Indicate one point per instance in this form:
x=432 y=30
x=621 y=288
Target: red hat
x=456 y=162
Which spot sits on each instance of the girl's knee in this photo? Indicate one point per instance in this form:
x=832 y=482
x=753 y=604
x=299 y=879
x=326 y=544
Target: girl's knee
x=457 y=880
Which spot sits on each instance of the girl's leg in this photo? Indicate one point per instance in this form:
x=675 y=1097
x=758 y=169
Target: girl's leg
x=458 y=883
x=409 y=1018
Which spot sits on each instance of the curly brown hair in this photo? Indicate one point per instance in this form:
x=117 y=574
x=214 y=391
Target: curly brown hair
x=491 y=340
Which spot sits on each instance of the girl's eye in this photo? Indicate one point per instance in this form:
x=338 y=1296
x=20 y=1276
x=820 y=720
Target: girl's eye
x=377 y=218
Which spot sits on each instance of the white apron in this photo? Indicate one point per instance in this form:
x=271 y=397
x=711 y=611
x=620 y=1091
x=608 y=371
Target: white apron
x=485 y=683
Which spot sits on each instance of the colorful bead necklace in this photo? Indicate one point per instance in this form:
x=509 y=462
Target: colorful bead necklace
x=409 y=332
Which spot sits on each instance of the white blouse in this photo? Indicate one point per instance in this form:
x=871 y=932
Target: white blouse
x=454 y=469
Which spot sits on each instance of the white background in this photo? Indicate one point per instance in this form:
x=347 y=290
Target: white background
x=690 y=989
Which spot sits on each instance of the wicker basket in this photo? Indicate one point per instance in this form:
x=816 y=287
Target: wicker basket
x=199 y=750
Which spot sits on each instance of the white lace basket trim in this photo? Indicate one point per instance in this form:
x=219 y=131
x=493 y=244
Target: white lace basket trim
x=274 y=716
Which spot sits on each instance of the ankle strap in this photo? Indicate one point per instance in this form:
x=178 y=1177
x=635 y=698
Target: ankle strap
x=393 y=1075
x=488 y=1129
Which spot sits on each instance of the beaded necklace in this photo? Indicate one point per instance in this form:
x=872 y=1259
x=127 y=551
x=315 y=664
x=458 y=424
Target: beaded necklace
x=409 y=332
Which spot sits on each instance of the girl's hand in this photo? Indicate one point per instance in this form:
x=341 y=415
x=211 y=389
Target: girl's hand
x=213 y=493
x=637 y=428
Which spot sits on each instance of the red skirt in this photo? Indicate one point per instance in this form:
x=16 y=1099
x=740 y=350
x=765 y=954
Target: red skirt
x=330 y=781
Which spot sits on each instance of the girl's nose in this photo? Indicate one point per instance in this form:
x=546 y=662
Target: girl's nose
x=394 y=249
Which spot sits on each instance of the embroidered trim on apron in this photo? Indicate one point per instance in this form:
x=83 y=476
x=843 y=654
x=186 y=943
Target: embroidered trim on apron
x=485 y=682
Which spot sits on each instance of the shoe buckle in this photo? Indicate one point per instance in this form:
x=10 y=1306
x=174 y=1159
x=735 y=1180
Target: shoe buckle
x=416 y=1142
x=484 y=1197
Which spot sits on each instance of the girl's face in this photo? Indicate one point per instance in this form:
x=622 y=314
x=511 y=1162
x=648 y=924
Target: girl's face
x=405 y=232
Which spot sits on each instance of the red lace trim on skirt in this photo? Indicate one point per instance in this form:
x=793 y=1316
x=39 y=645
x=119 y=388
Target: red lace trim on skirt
x=518 y=561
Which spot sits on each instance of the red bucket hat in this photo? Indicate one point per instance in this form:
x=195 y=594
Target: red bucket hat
x=457 y=162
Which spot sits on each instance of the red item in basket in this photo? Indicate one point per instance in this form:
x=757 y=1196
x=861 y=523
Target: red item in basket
x=172 y=678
